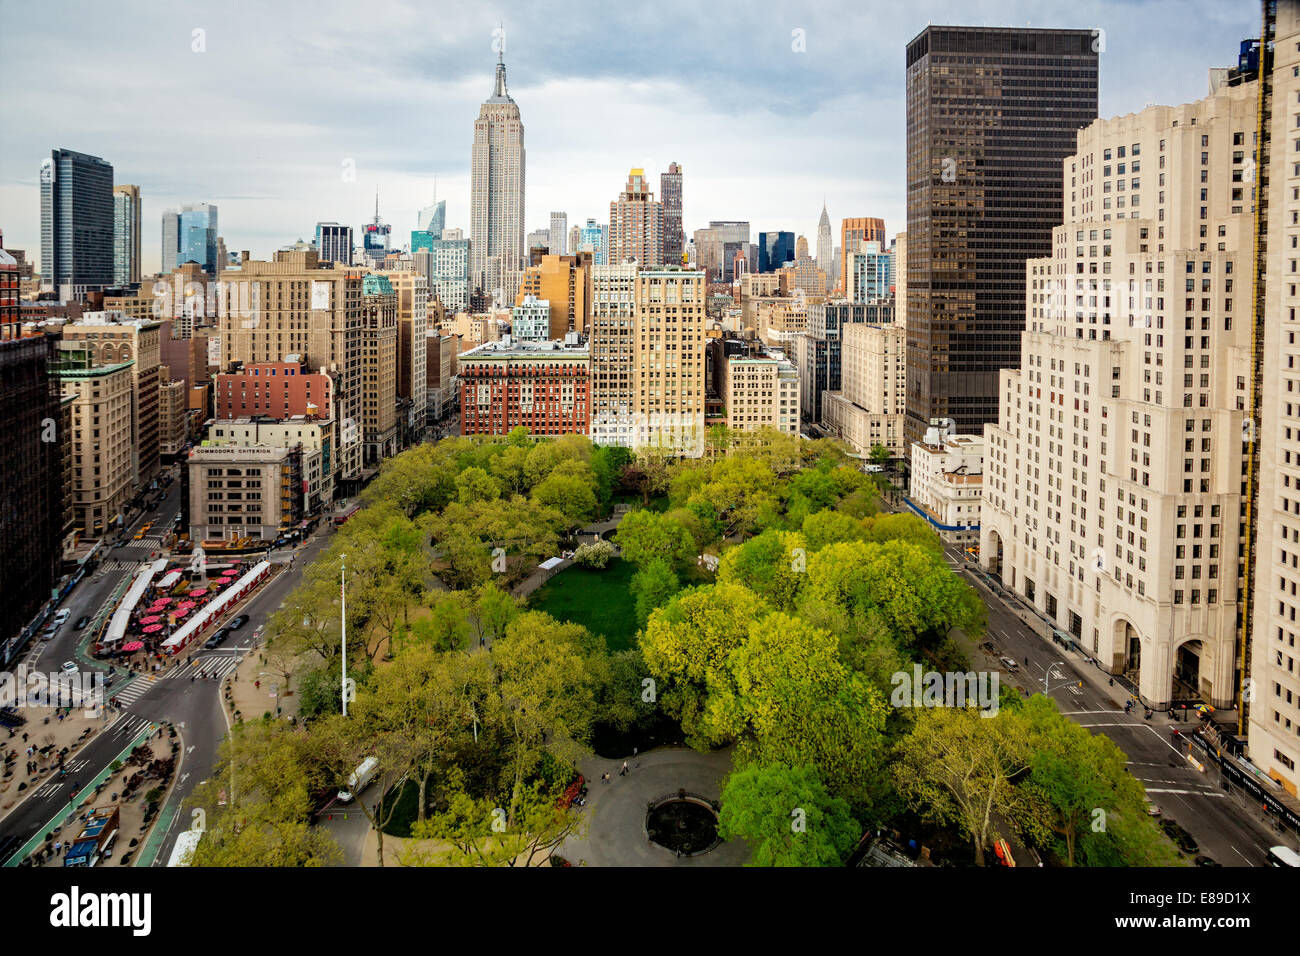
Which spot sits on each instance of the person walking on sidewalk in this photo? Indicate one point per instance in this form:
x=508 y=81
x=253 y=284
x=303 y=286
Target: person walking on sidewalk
x=623 y=772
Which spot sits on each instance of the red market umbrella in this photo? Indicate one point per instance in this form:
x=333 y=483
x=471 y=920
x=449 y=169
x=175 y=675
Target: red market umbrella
x=151 y=619
x=198 y=592
x=133 y=646
x=181 y=612
x=151 y=629
x=185 y=605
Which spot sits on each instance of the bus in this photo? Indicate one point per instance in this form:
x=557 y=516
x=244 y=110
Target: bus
x=186 y=842
x=1283 y=856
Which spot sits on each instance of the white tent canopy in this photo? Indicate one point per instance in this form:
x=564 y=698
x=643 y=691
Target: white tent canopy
x=223 y=602
x=122 y=616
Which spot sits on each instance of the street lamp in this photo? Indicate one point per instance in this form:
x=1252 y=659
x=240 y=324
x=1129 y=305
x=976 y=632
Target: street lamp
x=1048 y=673
x=343 y=595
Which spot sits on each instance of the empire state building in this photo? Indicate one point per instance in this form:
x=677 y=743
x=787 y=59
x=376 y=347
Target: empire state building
x=497 y=195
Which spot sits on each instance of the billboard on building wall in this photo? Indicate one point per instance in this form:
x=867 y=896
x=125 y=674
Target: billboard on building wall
x=320 y=295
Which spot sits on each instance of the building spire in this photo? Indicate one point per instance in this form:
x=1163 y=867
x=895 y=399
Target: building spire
x=376 y=202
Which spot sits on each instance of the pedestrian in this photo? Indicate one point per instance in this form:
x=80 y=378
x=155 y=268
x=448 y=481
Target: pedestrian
x=623 y=772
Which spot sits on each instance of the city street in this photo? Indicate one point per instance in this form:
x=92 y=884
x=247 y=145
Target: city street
x=149 y=701
x=1227 y=830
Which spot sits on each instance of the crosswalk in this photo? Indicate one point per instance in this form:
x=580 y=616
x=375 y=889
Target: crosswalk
x=137 y=688
x=220 y=662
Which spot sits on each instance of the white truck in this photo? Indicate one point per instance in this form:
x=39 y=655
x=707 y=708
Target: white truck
x=183 y=849
x=359 y=779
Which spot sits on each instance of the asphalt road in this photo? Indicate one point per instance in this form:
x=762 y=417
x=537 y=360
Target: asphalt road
x=1226 y=828
x=194 y=707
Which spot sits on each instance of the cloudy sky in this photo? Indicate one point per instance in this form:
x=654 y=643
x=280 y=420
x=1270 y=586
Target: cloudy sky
x=261 y=107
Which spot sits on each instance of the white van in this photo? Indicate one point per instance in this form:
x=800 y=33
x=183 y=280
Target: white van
x=873 y=469
x=359 y=779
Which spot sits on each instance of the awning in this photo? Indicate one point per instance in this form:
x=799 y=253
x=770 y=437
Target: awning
x=551 y=563
x=218 y=606
x=122 y=616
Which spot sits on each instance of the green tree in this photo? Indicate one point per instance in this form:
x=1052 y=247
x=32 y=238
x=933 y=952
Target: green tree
x=573 y=496
x=644 y=536
x=787 y=816
x=475 y=484
x=771 y=564
x=957 y=767
x=652 y=587
x=494 y=610
x=880 y=454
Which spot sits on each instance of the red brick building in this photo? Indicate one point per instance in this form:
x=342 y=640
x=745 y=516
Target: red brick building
x=544 y=386
x=277 y=389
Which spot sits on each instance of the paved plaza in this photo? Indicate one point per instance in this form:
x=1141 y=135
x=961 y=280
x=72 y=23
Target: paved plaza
x=615 y=833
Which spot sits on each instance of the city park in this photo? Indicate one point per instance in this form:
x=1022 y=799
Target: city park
x=564 y=654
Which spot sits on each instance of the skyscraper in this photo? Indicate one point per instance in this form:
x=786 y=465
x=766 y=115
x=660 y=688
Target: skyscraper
x=333 y=243
x=991 y=115
x=198 y=236
x=171 y=243
x=668 y=350
x=636 y=224
x=825 y=246
x=559 y=235
x=670 y=194
x=76 y=223
x=126 y=235
x=375 y=237
x=854 y=234
x=595 y=239
x=433 y=219
x=775 y=249
x=497 y=192
x=31 y=479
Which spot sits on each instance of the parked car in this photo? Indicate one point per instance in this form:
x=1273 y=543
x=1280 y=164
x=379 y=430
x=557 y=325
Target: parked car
x=83 y=621
x=1207 y=861
x=217 y=638
x=1184 y=840
x=49 y=632
x=1152 y=809
x=238 y=622
x=69 y=667
x=62 y=615
x=1009 y=664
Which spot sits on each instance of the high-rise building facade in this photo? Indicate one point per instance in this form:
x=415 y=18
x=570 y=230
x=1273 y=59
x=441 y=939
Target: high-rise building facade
x=825 y=244
x=636 y=224
x=30 y=480
x=775 y=249
x=433 y=219
x=110 y=338
x=761 y=392
x=670 y=194
x=669 y=360
x=497 y=194
x=171 y=240
x=712 y=244
x=102 y=436
x=412 y=290
x=594 y=238
x=559 y=234
x=379 y=374
x=198 y=236
x=333 y=243
x=563 y=281
x=870 y=408
x=991 y=113
x=613 y=354
x=451 y=273
x=76 y=223
x=126 y=235
x=869 y=271
x=854 y=235
x=1271 y=714
x=315 y=313
x=1113 y=486
x=530 y=320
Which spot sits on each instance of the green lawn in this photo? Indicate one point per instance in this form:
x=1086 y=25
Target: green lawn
x=601 y=601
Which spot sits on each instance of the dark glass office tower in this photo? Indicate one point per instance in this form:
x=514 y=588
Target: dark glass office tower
x=775 y=249
x=991 y=114
x=76 y=223
x=31 y=482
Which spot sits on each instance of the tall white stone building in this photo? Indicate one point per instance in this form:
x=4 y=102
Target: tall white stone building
x=1113 y=488
x=613 y=345
x=497 y=194
x=1273 y=665
x=871 y=407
